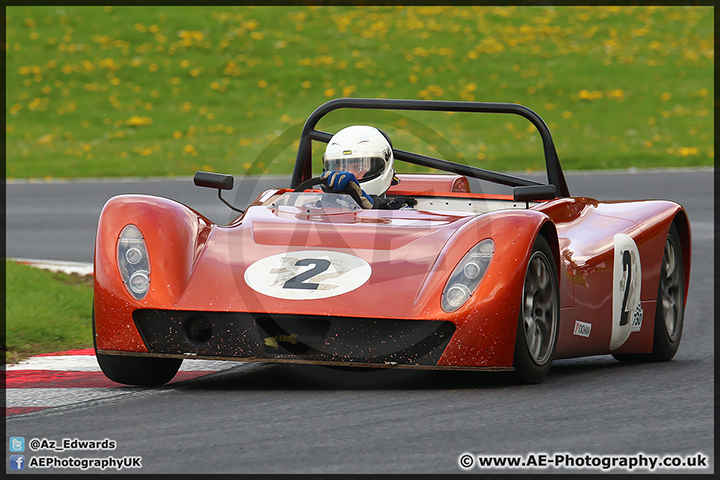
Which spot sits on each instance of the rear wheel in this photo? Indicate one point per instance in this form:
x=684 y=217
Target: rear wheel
x=141 y=371
x=537 y=330
x=670 y=308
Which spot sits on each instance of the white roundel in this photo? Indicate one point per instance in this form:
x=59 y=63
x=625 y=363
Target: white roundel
x=627 y=278
x=307 y=274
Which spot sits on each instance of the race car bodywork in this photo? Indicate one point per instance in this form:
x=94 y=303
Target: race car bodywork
x=461 y=281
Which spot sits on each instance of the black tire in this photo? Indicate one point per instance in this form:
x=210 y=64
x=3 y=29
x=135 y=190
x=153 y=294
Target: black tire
x=670 y=308
x=140 y=371
x=534 y=351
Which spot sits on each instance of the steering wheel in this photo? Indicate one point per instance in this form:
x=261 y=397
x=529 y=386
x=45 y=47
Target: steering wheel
x=322 y=181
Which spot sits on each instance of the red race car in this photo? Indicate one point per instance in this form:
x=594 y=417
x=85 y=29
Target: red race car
x=450 y=280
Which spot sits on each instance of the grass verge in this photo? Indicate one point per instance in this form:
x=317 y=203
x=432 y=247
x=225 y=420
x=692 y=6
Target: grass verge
x=45 y=311
x=97 y=91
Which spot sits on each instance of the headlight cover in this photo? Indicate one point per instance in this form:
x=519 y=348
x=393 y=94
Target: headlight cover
x=467 y=275
x=133 y=261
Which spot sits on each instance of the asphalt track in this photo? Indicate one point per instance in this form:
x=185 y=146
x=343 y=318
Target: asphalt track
x=281 y=419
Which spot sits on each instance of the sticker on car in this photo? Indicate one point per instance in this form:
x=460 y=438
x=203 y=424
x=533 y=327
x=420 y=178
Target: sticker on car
x=627 y=276
x=307 y=274
x=582 y=329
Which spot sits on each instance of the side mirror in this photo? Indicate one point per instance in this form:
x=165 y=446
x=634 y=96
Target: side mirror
x=214 y=180
x=534 y=192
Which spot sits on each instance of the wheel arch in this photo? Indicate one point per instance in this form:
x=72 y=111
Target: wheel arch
x=549 y=232
x=682 y=223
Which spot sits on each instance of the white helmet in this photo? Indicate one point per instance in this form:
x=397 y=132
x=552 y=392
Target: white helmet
x=365 y=152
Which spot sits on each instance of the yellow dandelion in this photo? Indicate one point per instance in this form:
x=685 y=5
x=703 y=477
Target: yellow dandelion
x=665 y=96
x=687 y=151
x=177 y=134
x=138 y=121
x=567 y=114
x=46 y=139
x=262 y=83
x=329 y=92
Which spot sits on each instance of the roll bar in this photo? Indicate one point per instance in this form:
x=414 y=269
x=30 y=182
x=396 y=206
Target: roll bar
x=303 y=163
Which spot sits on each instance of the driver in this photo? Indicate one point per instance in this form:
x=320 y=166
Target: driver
x=361 y=157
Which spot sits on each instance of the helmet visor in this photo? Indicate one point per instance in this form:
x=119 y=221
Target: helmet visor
x=364 y=168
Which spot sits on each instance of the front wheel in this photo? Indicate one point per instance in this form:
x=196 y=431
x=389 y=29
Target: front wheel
x=140 y=371
x=537 y=329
